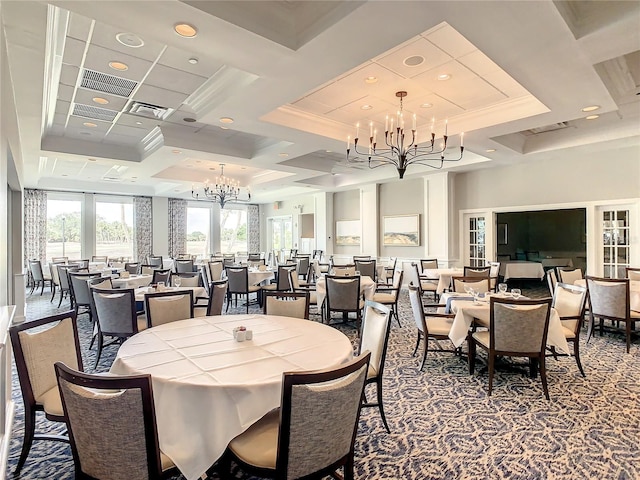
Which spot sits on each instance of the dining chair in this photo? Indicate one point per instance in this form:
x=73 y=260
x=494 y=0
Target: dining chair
x=313 y=433
x=190 y=279
x=469 y=271
x=183 y=256
x=569 y=301
x=117 y=317
x=389 y=295
x=215 y=269
x=633 y=273
x=552 y=280
x=112 y=425
x=479 y=284
x=428 y=264
x=60 y=259
x=80 y=291
x=435 y=326
x=389 y=270
x=426 y=284
x=569 y=275
x=282 y=279
x=343 y=296
x=155 y=261
x=610 y=299
x=239 y=285
x=37 y=345
x=309 y=288
x=132 y=267
x=217 y=294
x=376 y=326
x=317 y=255
x=286 y=304
x=367 y=268
x=302 y=265
x=183 y=265
x=146 y=269
x=361 y=257
x=99 y=258
x=38 y=277
x=161 y=276
x=65 y=286
x=55 y=279
x=517 y=328
x=494 y=275
x=166 y=307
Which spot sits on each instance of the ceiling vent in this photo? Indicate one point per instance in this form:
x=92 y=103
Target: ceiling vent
x=102 y=82
x=150 y=111
x=547 y=128
x=94 y=113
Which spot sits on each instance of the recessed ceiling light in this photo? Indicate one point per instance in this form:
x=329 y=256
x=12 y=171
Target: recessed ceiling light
x=366 y=107
x=413 y=60
x=138 y=123
x=185 y=30
x=91 y=159
x=328 y=151
x=65 y=175
x=129 y=40
x=426 y=105
x=193 y=61
x=189 y=119
x=591 y=108
x=490 y=150
x=176 y=151
x=371 y=79
x=100 y=100
x=90 y=124
x=226 y=120
x=444 y=76
x=592 y=117
x=121 y=67
x=283 y=155
x=223 y=127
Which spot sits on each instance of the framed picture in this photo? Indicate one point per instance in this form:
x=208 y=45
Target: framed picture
x=503 y=237
x=402 y=230
x=348 y=232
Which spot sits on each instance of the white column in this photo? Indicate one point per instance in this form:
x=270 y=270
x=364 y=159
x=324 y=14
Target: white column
x=88 y=226
x=437 y=227
x=324 y=224
x=369 y=220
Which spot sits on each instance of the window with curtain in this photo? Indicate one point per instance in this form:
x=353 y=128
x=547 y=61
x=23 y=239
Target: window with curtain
x=199 y=231
x=64 y=228
x=114 y=227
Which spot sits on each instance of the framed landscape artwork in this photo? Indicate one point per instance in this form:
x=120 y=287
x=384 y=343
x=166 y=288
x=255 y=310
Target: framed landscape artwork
x=348 y=232
x=402 y=230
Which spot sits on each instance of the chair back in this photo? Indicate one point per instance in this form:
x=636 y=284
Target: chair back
x=429 y=264
x=36 y=349
x=494 y=273
x=238 y=279
x=215 y=270
x=55 y=276
x=366 y=268
x=569 y=275
x=217 y=293
x=80 y=287
x=63 y=275
x=317 y=255
x=111 y=423
x=519 y=326
x=183 y=266
x=165 y=307
x=479 y=284
x=283 y=277
x=59 y=259
x=633 y=273
x=569 y=301
x=132 y=267
x=609 y=297
x=36 y=270
x=255 y=263
x=287 y=304
x=412 y=274
x=302 y=264
x=417 y=308
x=397 y=282
x=183 y=256
x=191 y=279
x=477 y=271
x=147 y=269
x=116 y=311
x=161 y=276
x=309 y=440
x=343 y=293
x=155 y=261
x=376 y=325
x=81 y=263
x=552 y=280
x=99 y=258
x=100 y=283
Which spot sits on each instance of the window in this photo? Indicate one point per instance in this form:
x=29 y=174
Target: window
x=615 y=233
x=64 y=232
x=281 y=233
x=477 y=255
x=198 y=231
x=114 y=228
x=233 y=230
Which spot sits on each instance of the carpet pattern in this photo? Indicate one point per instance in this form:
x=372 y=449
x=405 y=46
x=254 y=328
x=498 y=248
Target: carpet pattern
x=443 y=424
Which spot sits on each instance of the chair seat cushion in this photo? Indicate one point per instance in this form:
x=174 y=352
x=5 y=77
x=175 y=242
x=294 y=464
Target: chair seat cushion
x=439 y=325
x=254 y=288
x=568 y=333
x=482 y=337
x=383 y=297
x=258 y=445
x=635 y=314
x=51 y=402
x=428 y=286
x=271 y=287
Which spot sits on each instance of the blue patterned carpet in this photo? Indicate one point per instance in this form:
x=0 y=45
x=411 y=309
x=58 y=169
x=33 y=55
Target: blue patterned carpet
x=443 y=424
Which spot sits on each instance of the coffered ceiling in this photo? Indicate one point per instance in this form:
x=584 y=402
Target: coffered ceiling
x=109 y=98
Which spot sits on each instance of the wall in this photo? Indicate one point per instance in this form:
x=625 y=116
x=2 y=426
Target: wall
x=402 y=198
x=346 y=206
x=293 y=208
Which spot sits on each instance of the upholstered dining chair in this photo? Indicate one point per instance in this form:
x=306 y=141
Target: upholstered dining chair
x=55 y=279
x=239 y=285
x=469 y=271
x=282 y=280
x=552 y=280
x=367 y=268
x=183 y=265
x=60 y=259
x=343 y=296
x=117 y=316
x=376 y=326
x=428 y=264
x=112 y=425
x=99 y=258
x=517 y=328
x=302 y=265
x=479 y=284
x=435 y=326
x=37 y=345
x=161 y=276
x=80 y=291
x=494 y=275
x=155 y=261
x=38 y=277
x=569 y=301
x=132 y=267
x=65 y=286
x=425 y=284
x=190 y=279
x=313 y=433
x=165 y=307
x=569 y=275
x=389 y=295
x=344 y=270
x=609 y=299
x=633 y=273
x=389 y=270
x=215 y=269
x=287 y=304
x=217 y=294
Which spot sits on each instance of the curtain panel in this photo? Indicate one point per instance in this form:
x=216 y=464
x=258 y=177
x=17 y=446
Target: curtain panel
x=35 y=225
x=142 y=229
x=177 y=226
x=253 y=228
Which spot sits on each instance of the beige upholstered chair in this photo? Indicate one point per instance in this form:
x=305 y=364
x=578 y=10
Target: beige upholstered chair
x=569 y=301
x=343 y=296
x=434 y=327
x=477 y=271
x=480 y=285
x=191 y=279
x=366 y=268
x=569 y=275
x=112 y=426
x=552 y=280
x=55 y=279
x=306 y=288
x=287 y=304
x=494 y=274
x=36 y=350
x=428 y=264
x=183 y=265
x=99 y=258
x=610 y=300
x=389 y=270
x=633 y=273
x=375 y=337
x=426 y=284
x=165 y=307
x=389 y=295
x=313 y=433
x=147 y=269
x=517 y=328
x=216 y=268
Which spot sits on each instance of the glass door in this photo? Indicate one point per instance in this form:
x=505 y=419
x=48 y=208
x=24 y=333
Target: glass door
x=477 y=238
x=615 y=242
x=280 y=234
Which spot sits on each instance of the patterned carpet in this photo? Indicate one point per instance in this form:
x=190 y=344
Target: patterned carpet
x=443 y=424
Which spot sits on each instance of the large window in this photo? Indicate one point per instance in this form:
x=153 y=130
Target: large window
x=477 y=252
x=198 y=231
x=233 y=230
x=114 y=228
x=615 y=233
x=64 y=232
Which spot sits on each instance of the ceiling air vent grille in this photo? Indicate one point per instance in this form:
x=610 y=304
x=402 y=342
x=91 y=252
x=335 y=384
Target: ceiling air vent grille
x=111 y=84
x=547 y=128
x=94 y=113
x=150 y=111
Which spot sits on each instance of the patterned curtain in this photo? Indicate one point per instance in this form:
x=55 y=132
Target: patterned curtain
x=142 y=228
x=35 y=225
x=177 y=226
x=253 y=228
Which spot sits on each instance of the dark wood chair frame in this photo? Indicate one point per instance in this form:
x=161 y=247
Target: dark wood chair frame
x=287 y=295
x=478 y=272
x=345 y=312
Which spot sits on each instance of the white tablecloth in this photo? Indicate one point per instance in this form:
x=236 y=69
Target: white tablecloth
x=367 y=288
x=133 y=281
x=443 y=275
x=521 y=269
x=256 y=277
x=557 y=262
x=466 y=311
x=209 y=388
x=197 y=292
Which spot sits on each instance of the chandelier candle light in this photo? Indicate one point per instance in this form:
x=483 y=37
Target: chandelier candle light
x=224 y=190
x=401 y=151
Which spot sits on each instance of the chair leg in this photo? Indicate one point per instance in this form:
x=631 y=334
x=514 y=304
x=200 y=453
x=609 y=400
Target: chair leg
x=349 y=468
x=380 y=407
x=53 y=292
x=424 y=353
x=576 y=354
x=591 y=324
x=543 y=377
x=394 y=308
x=61 y=295
x=415 y=350
x=99 y=347
x=42 y=288
x=472 y=355
x=492 y=359
x=29 y=431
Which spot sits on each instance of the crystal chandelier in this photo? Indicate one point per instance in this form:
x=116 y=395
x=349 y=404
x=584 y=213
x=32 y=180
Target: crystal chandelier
x=223 y=191
x=400 y=150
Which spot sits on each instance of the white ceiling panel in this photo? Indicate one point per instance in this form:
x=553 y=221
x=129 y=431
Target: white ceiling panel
x=65 y=92
x=335 y=96
x=86 y=96
x=137 y=121
x=449 y=40
x=62 y=107
x=105 y=36
x=433 y=57
x=69 y=75
x=174 y=80
x=179 y=59
x=76 y=122
x=73 y=51
x=79 y=27
x=159 y=96
x=127 y=131
x=125 y=140
x=98 y=58
x=479 y=63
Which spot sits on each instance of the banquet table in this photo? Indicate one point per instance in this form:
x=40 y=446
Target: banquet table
x=256 y=277
x=443 y=275
x=521 y=269
x=466 y=312
x=198 y=292
x=367 y=288
x=208 y=388
x=634 y=292
x=133 y=281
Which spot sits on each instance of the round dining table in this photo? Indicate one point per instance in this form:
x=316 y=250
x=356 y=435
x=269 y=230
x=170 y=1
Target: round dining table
x=208 y=388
